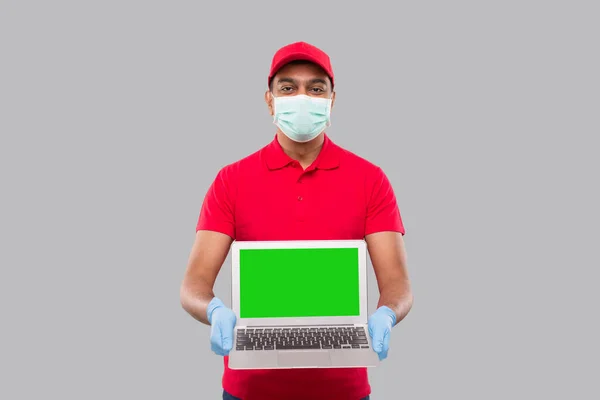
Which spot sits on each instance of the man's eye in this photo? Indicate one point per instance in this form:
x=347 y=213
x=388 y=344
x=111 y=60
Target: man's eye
x=286 y=88
x=318 y=90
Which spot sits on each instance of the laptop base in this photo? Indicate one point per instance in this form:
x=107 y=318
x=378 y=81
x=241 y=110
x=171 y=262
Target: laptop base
x=270 y=357
x=294 y=359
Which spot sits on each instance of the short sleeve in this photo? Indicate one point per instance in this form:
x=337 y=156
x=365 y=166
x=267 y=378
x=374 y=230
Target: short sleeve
x=383 y=213
x=216 y=213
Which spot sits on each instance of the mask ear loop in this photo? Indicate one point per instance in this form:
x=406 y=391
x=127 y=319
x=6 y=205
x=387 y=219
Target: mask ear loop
x=273 y=102
x=273 y=105
x=329 y=104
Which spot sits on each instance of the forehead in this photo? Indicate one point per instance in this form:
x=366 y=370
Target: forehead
x=302 y=71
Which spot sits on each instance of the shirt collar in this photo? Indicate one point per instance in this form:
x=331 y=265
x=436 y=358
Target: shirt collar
x=328 y=158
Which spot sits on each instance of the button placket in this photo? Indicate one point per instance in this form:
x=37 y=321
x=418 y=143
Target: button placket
x=300 y=204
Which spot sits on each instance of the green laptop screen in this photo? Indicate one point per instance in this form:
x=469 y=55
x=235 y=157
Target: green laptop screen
x=316 y=282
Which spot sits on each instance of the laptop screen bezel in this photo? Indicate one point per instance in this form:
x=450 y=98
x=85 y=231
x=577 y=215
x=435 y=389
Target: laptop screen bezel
x=285 y=321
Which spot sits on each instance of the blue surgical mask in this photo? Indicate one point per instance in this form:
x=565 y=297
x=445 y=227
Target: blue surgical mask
x=301 y=118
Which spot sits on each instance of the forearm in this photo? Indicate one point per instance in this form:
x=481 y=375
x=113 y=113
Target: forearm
x=397 y=295
x=206 y=258
x=195 y=296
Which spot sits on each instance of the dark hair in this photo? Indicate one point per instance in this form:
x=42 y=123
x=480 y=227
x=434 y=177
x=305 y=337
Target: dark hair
x=295 y=62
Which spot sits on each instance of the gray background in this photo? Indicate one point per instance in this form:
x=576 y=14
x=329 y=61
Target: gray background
x=115 y=116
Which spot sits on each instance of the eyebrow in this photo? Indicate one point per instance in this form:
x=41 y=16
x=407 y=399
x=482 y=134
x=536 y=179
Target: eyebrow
x=318 y=80
x=310 y=82
x=288 y=80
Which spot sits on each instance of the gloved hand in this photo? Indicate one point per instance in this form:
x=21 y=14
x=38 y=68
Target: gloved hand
x=222 y=321
x=380 y=327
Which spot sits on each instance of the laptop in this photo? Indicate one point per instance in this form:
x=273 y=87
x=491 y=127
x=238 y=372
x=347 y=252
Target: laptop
x=300 y=304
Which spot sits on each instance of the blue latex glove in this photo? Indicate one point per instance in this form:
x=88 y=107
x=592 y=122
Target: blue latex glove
x=222 y=322
x=380 y=328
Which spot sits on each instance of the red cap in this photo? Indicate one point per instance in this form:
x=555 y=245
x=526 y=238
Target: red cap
x=300 y=51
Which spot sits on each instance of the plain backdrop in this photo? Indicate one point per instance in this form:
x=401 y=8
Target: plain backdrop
x=115 y=117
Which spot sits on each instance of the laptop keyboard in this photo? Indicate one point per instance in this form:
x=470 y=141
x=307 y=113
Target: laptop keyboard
x=301 y=338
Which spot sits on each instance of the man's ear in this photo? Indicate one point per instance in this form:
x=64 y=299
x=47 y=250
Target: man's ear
x=269 y=101
x=332 y=99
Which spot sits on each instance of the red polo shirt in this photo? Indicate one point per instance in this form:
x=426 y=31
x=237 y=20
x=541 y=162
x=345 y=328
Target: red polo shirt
x=267 y=196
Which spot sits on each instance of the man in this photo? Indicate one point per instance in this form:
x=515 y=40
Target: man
x=301 y=186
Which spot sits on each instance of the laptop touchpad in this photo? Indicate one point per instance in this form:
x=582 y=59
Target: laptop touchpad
x=303 y=358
